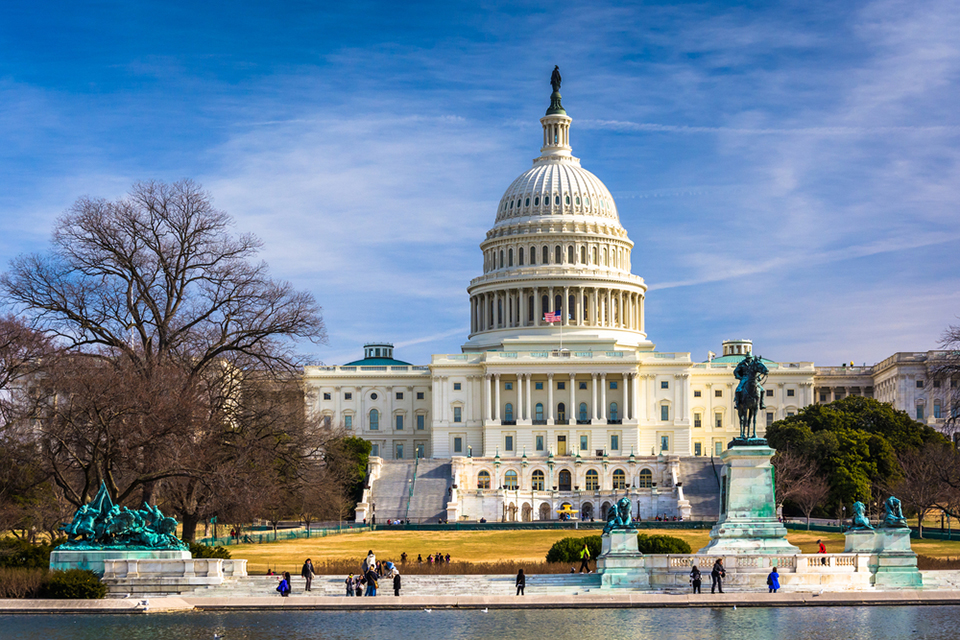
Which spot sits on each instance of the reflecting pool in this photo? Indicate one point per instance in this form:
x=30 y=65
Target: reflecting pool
x=788 y=623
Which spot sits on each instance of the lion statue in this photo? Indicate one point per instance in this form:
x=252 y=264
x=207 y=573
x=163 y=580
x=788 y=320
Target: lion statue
x=893 y=514
x=859 y=520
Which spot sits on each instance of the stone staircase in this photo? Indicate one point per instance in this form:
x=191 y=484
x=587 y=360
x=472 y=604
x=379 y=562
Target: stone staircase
x=701 y=487
x=413 y=585
x=430 y=489
x=391 y=491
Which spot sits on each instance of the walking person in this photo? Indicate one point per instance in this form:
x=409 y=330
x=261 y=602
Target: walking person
x=717 y=575
x=521 y=582
x=350 y=586
x=695 y=579
x=372 y=585
x=773 y=580
x=307 y=573
x=369 y=562
x=358 y=585
x=585 y=559
x=822 y=548
x=396 y=582
x=284 y=586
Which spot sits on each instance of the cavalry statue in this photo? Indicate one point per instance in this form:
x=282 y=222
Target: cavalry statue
x=748 y=399
x=619 y=517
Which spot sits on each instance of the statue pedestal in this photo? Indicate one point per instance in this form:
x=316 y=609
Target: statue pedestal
x=621 y=565
x=892 y=560
x=748 y=519
x=95 y=559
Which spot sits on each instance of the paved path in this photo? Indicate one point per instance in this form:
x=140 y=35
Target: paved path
x=584 y=601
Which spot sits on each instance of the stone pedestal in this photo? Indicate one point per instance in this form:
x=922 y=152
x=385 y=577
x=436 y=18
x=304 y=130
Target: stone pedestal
x=748 y=519
x=94 y=560
x=621 y=565
x=892 y=560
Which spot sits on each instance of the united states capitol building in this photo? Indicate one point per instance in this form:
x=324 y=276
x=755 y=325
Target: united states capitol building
x=534 y=416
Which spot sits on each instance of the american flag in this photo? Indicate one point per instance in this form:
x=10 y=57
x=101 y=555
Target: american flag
x=552 y=316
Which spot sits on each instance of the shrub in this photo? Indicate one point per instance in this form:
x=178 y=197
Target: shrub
x=203 y=551
x=661 y=544
x=20 y=554
x=74 y=584
x=568 y=549
x=21 y=583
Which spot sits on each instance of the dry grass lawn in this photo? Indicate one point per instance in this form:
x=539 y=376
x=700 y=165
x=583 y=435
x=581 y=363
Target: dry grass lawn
x=525 y=545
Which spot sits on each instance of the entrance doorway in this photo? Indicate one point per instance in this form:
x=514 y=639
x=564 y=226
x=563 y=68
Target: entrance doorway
x=561 y=445
x=545 y=512
x=564 y=483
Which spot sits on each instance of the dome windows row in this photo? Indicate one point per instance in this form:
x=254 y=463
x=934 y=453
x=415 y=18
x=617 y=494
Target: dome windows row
x=571 y=254
x=549 y=201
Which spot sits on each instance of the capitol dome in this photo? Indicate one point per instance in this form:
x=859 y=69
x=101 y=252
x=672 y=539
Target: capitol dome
x=555 y=257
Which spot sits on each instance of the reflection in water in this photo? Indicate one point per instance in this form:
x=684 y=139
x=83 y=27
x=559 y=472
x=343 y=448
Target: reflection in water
x=789 y=623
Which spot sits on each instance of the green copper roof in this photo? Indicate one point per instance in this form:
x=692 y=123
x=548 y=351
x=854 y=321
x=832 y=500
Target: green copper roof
x=377 y=362
x=555 y=107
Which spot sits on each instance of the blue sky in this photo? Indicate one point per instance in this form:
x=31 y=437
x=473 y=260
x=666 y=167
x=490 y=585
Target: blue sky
x=789 y=172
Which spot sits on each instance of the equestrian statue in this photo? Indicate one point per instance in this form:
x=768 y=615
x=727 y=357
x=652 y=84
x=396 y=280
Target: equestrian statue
x=748 y=399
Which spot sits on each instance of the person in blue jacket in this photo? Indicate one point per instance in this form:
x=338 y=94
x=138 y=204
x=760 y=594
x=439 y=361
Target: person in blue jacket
x=773 y=580
x=284 y=586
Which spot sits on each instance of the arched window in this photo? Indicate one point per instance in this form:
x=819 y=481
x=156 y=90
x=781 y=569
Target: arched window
x=594 y=255
x=537 y=480
x=646 y=479
x=583 y=255
x=613 y=411
x=567 y=199
x=533 y=255
x=526 y=202
x=571 y=306
x=570 y=254
x=564 y=482
x=483 y=480
x=562 y=412
x=546 y=256
x=557 y=255
x=530 y=309
x=499 y=312
x=544 y=304
x=558 y=303
x=501 y=258
x=520 y=256
x=578 y=201
x=374 y=420
x=536 y=201
x=593 y=480
x=511 y=204
x=556 y=200
x=510 y=257
x=583 y=412
x=539 y=412
x=508 y=412
x=510 y=480
x=619 y=479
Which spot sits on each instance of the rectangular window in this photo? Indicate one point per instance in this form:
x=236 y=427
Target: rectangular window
x=399 y=421
x=769 y=393
x=696 y=393
x=919 y=412
x=919 y=384
x=326 y=396
x=508 y=443
x=823 y=397
x=789 y=413
x=375 y=449
x=615 y=442
x=664 y=384
x=508 y=386
x=697 y=449
x=539 y=443
x=769 y=418
x=718 y=420
x=348 y=396
x=664 y=412
x=936 y=384
x=348 y=422
x=561 y=385
x=399 y=395
x=718 y=448
x=613 y=384
x=538 y=386
x=937 y=411
x=458 y=445
x=791 y=393
x=457 y=416
x=697 y=421
x=420 y=450
x=584 y=443
x=664 y=443
x=399 y=451
x=718 y=393
x=583 y=386
x=421 y=419
x=456 y=386
x=419 y=395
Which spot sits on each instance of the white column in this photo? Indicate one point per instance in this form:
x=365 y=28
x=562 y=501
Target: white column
x=550 y=419
x=565 y=318
x=518 y=415
x=626 y=397
x=603 y=398
x=496 y=408
x=594 y=416
x=529 y=401
x=523 y=309
x=572 y=416
x=487 y=414
x=636 y=398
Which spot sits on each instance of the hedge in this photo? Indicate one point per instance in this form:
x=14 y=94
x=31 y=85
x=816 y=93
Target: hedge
x=203 y=551
x=568 y=549
x=73 y=584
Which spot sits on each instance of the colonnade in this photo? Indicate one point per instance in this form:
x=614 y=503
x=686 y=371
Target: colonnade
x=579 y=306
x=598 y=411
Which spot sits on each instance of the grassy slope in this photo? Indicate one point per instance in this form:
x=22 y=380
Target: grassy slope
x=482 y=546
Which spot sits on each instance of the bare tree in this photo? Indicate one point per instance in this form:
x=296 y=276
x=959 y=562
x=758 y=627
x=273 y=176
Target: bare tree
x=947 y=373
x=810 y=494
x=921 y=486
x=790 y=471
x=160 y=309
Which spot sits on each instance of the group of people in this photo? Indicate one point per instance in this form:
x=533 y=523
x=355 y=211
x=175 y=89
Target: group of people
x=718 y=573
x=438 y=558
x=372 y=571
x=666 y=518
